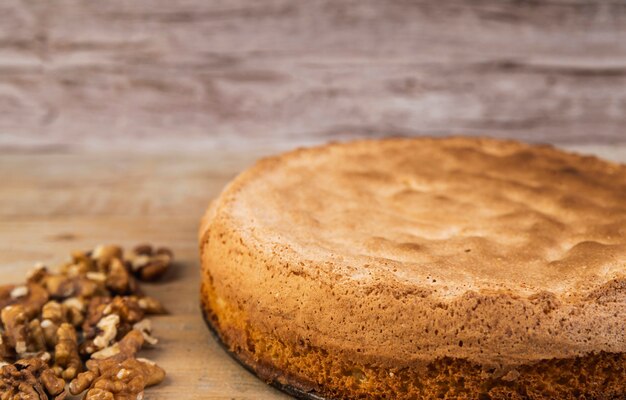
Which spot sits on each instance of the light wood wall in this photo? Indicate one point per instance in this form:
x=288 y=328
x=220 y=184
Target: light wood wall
x=195 y=72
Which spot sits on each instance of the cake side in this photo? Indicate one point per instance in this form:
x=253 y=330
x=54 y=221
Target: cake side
x=314 y=371
x=385 y=322
x=278 y=350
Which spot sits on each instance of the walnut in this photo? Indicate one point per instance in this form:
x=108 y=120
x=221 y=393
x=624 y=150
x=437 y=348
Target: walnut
x=120 y=351
x=37 y=274
x=105 y=254
x=54 y=312
x=145 y=327
x=62 y=287
x=126 y=380
x=97 y=294
x=144 y=249
x=80 y=264
x=114 y=317
x=31 y=296
x=7 y=352
x=95 y=312
x=36 y=341
x=59 y=286
x=108 y=331
x=82 y=382
x=67 y=362
x=107 y=359
x=30 y=379
x=53 y=315
x=49 y=330
x=120 y=375
x=18 y=292
x=128 y=308
x=34 y=300
x=91 y=285
x=75 y=309
x=106 y=353
x=149 y=265
x=119 y=280
x=22 y=335
x=15 y=324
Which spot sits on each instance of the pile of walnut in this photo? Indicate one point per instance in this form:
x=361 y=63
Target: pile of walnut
x=79 y=330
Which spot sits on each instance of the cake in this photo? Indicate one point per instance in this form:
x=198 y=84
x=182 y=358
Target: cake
x=454 y=268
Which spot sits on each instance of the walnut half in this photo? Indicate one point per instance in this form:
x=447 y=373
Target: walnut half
x=114 y=373
x=150 y=264
x=30 y=379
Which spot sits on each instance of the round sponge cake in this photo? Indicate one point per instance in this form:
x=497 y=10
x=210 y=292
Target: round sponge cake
x=456 y=268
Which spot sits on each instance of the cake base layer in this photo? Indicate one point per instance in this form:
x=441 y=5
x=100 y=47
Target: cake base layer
x=290 y=390
x=309 y=373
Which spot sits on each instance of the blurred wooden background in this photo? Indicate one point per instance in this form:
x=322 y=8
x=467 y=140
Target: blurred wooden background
x=193 y=73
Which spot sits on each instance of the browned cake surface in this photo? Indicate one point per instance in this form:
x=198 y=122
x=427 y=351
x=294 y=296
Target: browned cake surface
x=384 y=260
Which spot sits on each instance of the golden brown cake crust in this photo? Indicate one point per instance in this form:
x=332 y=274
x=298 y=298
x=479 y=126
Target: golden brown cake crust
x=311 y=373
x=400 y=252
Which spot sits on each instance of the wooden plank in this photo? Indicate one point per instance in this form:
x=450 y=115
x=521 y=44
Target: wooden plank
x=85 y=74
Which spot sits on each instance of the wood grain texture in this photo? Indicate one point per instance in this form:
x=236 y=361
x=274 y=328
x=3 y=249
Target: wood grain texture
x=189 y=73
x=51 y=204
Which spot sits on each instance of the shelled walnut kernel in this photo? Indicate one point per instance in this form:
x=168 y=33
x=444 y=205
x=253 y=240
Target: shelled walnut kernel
x=87 y=317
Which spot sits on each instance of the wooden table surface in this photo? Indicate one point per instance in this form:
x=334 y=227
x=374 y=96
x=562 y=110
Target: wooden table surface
x=53 y=203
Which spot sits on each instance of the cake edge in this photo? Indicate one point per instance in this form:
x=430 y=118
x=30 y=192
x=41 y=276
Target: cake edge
x=286 y=388
x=608 y=379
